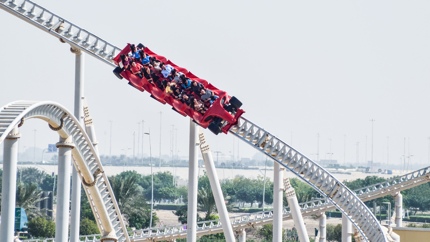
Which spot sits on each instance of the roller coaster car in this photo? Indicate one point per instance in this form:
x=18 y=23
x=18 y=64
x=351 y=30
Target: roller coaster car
x=219 y=117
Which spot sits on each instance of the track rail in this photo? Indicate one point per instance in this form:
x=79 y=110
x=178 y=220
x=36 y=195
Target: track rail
x=62 y=29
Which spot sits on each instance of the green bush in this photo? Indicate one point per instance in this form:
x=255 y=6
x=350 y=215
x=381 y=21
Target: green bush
x=168 y=206
x=418 y=218
x=88 y=226
x=41 y=228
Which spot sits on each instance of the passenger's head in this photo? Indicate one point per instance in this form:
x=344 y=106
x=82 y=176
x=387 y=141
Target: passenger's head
x=141 y=53
x=133 y=48
x=203 y=91
x=183 y=78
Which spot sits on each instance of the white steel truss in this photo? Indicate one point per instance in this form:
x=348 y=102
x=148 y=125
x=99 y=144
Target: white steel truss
x=86 y=161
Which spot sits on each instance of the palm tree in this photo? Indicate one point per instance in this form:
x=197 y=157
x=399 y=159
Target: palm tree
x=129 y=196
x=31 y=174
x=27 y=196
x=205 y=197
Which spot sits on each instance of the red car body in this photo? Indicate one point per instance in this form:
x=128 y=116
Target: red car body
x=204 y=120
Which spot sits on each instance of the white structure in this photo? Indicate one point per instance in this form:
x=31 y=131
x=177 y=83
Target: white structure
x=299 y=224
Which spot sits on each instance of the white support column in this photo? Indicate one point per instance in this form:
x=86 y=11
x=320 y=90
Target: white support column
x=323 y=228
x=193 y=169
x=89 y=127
x=398 y=201
x=65 y=147
x=290 y=193
x=10 y=163
x=346 y=229
x=216 y=189
x=76 y=181
x=242 y=235
x=277 y=202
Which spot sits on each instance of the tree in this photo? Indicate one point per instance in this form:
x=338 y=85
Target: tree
x=266 y=232
x=129 y=196
x=41 y=228
x=418 y=197
x=31 y=174
x=86 y=211
x=304 y=192
x=34 y=175
x=182 y=213
x=368 y=181
x=27 y=196
x=360 y=183
x=87 y=227
x=205 y=197
x=334 y=232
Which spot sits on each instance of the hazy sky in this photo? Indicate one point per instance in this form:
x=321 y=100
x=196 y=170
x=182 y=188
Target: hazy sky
x=303 y=70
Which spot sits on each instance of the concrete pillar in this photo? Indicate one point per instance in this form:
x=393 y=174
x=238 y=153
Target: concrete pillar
x=193 y=169
x=346 y=229
x=398 y=202
x=323 y=228
x=65 y=147
x=277 y=202
x=242 y=235
x=10 y=163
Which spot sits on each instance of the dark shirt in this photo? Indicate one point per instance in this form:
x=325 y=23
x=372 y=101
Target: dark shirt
x=196 y=89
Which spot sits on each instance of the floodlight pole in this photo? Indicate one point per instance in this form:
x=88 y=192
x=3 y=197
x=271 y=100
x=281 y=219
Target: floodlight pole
x=152 y=181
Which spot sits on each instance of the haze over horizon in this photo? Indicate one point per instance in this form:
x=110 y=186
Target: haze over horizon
x=315 y=74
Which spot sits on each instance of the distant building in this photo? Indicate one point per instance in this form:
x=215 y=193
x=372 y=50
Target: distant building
x=328 y=163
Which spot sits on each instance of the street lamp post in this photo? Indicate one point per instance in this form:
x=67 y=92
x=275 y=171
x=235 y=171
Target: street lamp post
x=264 y=182
x=43 y=155
x=125 y=157
x=34 y=147
x=152 y=180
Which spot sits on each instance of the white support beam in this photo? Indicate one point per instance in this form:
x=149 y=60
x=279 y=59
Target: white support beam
x=10 y=163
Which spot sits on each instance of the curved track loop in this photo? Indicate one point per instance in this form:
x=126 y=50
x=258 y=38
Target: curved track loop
x=85 y=159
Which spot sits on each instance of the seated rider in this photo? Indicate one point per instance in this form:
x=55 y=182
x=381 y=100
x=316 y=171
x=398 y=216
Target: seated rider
x=189 y=100
x=207 y=96
x=166 y=70
x=158 y=79
x=196 y=87
x=134 y=52
x=125 y=62
x=185 y=83
x=199 y=106
x=136 y=69
x=144 y=58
